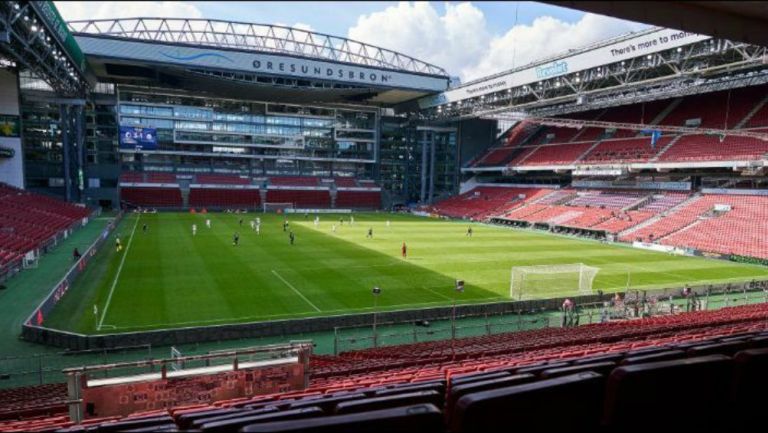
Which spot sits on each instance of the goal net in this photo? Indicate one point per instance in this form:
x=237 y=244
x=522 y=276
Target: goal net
x=551 y=281
x=277 y=207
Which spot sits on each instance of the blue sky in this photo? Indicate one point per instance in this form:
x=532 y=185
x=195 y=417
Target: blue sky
x=468 y=39
x=337 y=17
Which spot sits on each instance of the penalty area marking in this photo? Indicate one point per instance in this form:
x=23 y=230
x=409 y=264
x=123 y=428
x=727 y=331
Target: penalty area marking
x=295 y=290
x=117 y=276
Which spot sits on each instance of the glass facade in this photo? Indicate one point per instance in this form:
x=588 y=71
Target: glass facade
x=418 y=163
x=208 y=135
x=250 y=138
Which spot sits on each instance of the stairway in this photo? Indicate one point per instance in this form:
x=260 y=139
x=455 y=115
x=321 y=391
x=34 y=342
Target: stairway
x=664 y=214
x=591 y=148
x=681 y=229
x=656 y=120
x=640 y=202
x=184 y=187
x=665 y=149
x=752 y=113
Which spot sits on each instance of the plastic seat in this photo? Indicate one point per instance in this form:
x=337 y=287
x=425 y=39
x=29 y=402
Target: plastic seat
x=673 y=391
x=529 y=407
x=425 y=418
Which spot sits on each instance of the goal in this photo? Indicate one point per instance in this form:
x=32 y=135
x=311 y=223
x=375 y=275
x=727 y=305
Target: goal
x=551 y=281
x=277 y=207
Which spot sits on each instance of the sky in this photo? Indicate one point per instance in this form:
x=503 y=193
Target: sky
x=470 y=40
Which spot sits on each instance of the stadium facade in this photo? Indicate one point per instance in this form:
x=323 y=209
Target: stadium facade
x=260 y=101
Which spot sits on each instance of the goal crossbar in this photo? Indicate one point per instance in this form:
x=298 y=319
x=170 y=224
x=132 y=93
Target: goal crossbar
x=549 y=281
x=273 y=207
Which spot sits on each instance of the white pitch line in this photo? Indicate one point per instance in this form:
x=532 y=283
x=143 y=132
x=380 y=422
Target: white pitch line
x=436 y=293
x=117 y=276
x=296 y=291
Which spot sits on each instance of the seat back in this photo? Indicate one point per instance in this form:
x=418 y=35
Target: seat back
x=574 y=399
x=675 y=391
x=423 y=418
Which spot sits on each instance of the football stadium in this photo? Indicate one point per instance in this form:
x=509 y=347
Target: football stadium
x=215 y=225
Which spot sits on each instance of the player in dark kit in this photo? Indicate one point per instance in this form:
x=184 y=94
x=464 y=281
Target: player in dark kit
x=285 y=225
x=236 y=239
x=370 y=233
x=469 y=231
x=291 y=237
x=144 y=228
x=241 y=222
x=405 y=251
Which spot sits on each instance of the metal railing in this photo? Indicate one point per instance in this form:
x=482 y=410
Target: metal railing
x=349 y=339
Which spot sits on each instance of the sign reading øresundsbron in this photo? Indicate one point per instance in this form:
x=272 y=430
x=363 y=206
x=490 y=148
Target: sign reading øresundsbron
x=643 y=44
x=273 y=64
x=138 y=138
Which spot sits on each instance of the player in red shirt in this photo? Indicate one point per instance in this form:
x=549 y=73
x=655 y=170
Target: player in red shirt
x=405 y=250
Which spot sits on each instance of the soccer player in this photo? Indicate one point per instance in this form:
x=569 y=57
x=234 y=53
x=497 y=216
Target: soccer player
x=388 y=223
x=333 y=228
x=144 y=228
x=194 y=229
x=291 y=237
x=469 y=231
x=241 y=222
x=253 y=225
x=258 y=229
x=118 y=245
x=341 y=221
x=351 y=220
x=208 y=223
x=370 y=233
x=236 y=239
x=285 y=225
x=258 y=220
x=405 y=250
x=317 y=221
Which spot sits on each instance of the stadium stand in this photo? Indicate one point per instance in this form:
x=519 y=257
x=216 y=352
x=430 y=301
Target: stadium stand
x=294 y=181
x=28 y=221
x=222 y=179
x=224 y=197
x=300 y=197
x=612 y=370
x=358 y=199
x=566 y=146
x=152 y=196
x=482 y=202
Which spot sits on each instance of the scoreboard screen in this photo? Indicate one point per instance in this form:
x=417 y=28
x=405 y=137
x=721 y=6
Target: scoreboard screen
x=132 y=137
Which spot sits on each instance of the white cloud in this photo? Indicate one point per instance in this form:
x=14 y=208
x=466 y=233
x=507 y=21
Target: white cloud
x=459 y=41
x=82 y=10
x=546 y=36
x=452 y=40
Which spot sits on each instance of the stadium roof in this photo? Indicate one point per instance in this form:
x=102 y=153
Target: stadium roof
x=256 y=37
x=742 y=21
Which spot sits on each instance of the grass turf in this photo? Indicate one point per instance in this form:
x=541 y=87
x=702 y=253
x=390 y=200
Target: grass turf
x=167 y=278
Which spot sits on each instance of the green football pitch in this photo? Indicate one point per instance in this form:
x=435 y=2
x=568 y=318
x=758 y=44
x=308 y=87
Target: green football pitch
x=168 y=278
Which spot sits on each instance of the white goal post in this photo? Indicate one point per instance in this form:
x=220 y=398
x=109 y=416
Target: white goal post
x=275 y=207
x=551 y=281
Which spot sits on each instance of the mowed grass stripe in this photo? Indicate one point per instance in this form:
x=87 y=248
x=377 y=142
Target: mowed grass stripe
x=173 y=279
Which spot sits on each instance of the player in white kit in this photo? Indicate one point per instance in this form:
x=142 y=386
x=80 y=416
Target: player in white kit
x=194 y=229
x=208 y=223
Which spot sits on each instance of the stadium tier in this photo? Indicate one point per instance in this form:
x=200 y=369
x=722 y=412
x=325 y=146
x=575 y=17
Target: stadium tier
x=29 y=222
x=527 y=145
x=601 y=374
x=224 y=198
x=694 y=220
